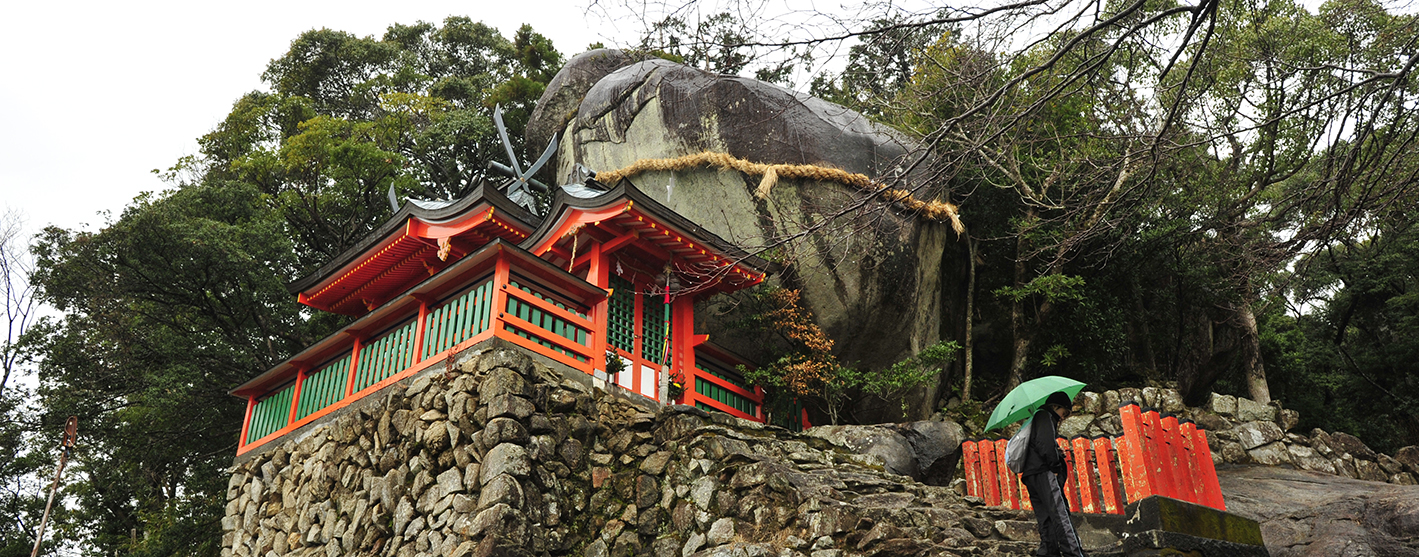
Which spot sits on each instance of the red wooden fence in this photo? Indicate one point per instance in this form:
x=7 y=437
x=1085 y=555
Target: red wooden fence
x=1156 y=455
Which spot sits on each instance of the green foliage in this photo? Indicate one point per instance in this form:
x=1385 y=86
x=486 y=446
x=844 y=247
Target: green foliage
x=1053 y=288
x=901 y=377
x=1350 y=363
x=24 y=459
x=183 y=296
x=350 y=117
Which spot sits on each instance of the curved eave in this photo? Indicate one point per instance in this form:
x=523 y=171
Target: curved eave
x=662 y=230
x=485 y=194
x=413 y=244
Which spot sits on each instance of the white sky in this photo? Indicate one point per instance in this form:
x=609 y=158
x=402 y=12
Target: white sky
x=95 y=95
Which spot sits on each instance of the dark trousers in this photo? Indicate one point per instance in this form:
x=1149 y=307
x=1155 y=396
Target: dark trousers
x=1057 y=535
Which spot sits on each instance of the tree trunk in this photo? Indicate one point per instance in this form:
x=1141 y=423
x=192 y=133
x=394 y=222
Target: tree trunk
x=1251 y=355
x=1018 y=329
x=969 y=342
x=1200 y=354
x=1140 y=330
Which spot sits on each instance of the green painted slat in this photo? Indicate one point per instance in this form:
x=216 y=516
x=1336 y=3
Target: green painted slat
x=458 y=319
x=271 y=413
x=462 y=323
x=323 y=388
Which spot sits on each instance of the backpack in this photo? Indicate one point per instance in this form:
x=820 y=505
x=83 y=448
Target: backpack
x=1017 y=447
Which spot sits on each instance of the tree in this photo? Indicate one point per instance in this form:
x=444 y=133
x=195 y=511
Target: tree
x=183 y=296
x=1074 y=142
x=20 y=502
x=18 y=293
x=350 y=117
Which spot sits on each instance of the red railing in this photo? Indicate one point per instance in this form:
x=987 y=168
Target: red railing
x=532 y=305
x=1156 y=455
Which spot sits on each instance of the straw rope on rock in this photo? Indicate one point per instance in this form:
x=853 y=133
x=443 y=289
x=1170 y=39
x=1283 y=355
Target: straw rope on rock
x=771 y=173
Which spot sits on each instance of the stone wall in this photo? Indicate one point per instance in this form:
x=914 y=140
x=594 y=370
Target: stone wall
x=506 y=456
x=1243 y=431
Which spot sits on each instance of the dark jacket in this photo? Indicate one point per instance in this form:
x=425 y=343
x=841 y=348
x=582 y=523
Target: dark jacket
x=1044 y=455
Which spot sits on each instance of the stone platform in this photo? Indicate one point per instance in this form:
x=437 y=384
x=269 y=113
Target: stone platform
x=1163 y=526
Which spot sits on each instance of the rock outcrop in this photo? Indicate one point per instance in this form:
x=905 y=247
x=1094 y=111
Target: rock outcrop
x=870 y=272
x=1304 y=513
x=560 y=101
x=505 y=456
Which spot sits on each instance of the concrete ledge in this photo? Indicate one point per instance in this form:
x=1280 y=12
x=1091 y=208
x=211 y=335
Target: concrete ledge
x=1165 y=526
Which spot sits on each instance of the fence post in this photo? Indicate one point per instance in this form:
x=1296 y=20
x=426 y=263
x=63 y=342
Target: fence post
x=988 y=479
x=1138 y=477
x=246 y=423
x=1108 y=476
x=1174 y=458
x=301 y=371
x=1186 y=465
x=1008 y=482
x=1068 y=486
x=1084 y=476
x=972 y=462
x=1207 y=471
x=1156 y=456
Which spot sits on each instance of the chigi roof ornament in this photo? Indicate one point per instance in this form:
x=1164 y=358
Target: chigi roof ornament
x=518 y=190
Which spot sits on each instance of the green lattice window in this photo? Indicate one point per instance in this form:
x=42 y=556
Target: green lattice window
x=547 y=321
x=387 y=355
x=727 y=397
x=271 y=413
x=655 y=327
x=324 y=387
x=621 y=316
x=459 y=318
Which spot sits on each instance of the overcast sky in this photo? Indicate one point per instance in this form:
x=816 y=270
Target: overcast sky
x=95 y=95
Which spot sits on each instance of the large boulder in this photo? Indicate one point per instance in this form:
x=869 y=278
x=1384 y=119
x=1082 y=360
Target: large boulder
x=926 y=451
x=871 y=274
x=1344 y=442
x=560 y=101
x=1316 y=514
x=1409 y=457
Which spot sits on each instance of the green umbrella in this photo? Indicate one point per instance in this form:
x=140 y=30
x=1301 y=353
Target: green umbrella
x=1022 y=402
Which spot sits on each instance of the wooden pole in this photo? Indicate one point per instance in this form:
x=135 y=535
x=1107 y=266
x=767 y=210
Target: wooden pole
x=71 y=430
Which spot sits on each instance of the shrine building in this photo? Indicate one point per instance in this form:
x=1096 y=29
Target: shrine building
x=604 y=276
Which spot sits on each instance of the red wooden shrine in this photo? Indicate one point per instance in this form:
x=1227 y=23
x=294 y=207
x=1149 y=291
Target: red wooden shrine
x=615 y=276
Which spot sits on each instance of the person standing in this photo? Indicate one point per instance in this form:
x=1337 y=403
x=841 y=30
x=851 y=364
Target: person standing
x=1043 y=474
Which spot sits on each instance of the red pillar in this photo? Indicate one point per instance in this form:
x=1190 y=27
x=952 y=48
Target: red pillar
x=246 y=423
x=1207 y=471
x=419 y=329
x=354 y=367
x=1155 y=450
x=1108 y=476
x=1009 y=497
x=296 y=394
x=682 y=341
x=1084 y=475
x=988 y=480
x=597 y=273
x=1138 y=477
x=971 y=465
x=1068 y=487
x=1181 y=459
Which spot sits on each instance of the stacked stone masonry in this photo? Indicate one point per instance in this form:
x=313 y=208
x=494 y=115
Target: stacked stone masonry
x=1243 y=431
x=503 y=456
